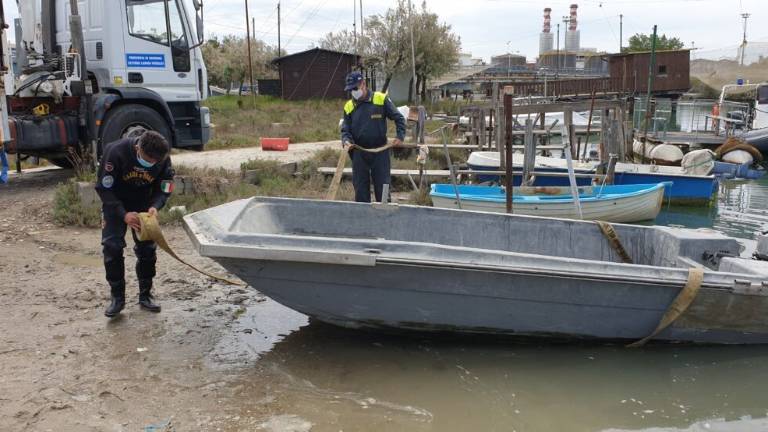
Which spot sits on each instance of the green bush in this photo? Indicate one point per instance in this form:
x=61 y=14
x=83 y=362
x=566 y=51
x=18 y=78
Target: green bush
x=68 y=209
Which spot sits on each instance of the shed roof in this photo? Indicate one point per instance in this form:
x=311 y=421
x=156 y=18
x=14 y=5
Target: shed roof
x=279 y=59
x=647 y=52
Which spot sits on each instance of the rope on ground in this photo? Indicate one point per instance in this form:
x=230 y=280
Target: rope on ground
x=679 y=305
x=150 y=231
x=614 y=241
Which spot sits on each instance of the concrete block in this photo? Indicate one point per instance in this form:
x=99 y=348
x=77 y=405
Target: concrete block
x=87 y=194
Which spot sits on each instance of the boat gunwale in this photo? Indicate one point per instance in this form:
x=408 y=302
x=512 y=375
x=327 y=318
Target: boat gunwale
x=621 y=168
x=324 y=251
x=595 y=197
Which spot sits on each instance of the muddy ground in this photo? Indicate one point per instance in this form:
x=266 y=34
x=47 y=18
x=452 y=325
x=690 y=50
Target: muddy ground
x=65 y=367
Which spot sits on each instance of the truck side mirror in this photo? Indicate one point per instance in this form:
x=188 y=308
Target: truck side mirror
x=198 y=5
x=200 y=34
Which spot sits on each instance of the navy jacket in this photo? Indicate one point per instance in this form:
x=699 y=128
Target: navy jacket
x=123 y=185
x=365 y=121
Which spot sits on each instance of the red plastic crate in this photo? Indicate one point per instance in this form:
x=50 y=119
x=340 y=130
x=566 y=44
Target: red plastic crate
x=274 y=144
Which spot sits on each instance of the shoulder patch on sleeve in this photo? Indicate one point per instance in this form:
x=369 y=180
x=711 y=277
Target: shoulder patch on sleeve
x=166 y=186
x=107 y=181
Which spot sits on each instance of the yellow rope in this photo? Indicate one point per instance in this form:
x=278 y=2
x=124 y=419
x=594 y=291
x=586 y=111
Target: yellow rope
x=150 y=231
x=614 y=241
x=333 y=190
x=679 y=305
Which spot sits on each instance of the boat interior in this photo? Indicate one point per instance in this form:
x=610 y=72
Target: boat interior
x=486 y=232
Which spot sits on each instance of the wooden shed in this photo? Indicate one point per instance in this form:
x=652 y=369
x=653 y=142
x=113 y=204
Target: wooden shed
x=672 y=74
x=315 y=74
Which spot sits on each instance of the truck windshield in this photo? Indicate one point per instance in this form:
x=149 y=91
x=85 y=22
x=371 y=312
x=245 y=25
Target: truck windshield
x=146 y=20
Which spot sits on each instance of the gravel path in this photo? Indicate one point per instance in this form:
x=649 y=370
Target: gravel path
x=231 y=159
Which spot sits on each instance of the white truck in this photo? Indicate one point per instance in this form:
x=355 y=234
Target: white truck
x=88 y=72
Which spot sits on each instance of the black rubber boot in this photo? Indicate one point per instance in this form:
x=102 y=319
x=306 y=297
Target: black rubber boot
x=118 y=299
x=145 y=296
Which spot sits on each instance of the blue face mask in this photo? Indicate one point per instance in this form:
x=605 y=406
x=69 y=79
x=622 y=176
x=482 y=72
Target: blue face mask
x=144 y=163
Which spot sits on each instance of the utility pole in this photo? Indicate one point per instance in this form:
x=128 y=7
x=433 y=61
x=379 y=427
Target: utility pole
x=279 y=48
x=413 y=52
x=621 y=32
x=361 y=20
x=250 y=62
x=354 y=22
x=557 y=65
x=566 y=22
x=744 y=39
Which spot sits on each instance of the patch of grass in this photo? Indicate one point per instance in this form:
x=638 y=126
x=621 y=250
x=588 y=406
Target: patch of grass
x=447 y=106
x=68 y=209
x=239 y=122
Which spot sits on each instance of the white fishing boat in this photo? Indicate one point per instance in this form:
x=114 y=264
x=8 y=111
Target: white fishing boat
x=627 y=203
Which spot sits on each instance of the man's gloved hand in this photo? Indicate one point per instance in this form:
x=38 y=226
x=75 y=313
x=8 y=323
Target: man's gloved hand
x=347 y=146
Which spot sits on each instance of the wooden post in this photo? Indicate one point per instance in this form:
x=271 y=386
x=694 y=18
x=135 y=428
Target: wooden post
x=496 y=118
x=589 y=126
x=508 y=149
x=481 y=126
x=568 y=127
x=529 y=155
x=605 y=135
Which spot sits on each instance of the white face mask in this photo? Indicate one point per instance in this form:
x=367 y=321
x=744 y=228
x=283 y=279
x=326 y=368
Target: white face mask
x=357 y=94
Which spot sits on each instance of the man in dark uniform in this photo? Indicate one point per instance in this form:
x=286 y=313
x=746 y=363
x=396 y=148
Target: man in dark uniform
x=365 y=124
x=135 y=176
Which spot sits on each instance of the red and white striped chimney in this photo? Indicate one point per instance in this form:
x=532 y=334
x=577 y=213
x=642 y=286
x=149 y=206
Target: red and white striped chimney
x=547 y=20
x=572 y=26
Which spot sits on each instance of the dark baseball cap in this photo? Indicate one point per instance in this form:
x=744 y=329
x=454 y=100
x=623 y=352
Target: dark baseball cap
x=353 y=80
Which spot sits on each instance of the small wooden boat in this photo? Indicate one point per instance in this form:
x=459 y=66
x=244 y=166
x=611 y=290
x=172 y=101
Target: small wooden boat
x=380 y=266
x=629 y=203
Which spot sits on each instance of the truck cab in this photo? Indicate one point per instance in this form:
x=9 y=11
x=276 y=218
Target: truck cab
x=144 y=64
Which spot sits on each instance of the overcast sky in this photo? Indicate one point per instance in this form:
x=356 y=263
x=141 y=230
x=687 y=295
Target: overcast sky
x=489 y=27
x=485 y=26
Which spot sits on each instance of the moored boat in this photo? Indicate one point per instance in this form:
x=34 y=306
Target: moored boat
x=428 y=269
x=630 y=203
x=686 y=188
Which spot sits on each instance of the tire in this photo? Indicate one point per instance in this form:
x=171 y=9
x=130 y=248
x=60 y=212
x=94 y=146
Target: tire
x=124 y=118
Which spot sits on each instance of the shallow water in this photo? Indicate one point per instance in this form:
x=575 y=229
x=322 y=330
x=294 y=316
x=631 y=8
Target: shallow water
x=337 y=379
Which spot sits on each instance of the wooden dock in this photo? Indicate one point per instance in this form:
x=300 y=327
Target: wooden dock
x=447 y=173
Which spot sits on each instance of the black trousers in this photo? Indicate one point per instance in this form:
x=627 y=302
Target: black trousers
x=366 y=167
x=113 y=243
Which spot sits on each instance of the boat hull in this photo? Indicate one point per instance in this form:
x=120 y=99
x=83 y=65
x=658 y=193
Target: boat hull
x=623 y=209
x=419 y=268
x=410 y=297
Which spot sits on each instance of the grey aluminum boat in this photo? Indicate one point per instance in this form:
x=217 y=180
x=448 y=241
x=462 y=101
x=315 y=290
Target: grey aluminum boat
x=428 y=269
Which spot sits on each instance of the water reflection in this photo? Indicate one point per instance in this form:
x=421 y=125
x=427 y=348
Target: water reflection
x=345 y=379
x=741 y=210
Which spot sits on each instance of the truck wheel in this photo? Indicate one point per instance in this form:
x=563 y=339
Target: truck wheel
x=123 y=119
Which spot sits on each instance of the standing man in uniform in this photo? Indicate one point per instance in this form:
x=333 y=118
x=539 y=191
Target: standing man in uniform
x=365 y=125
x=135 y=176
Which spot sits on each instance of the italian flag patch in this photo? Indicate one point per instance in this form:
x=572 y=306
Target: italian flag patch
x=166 y=186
